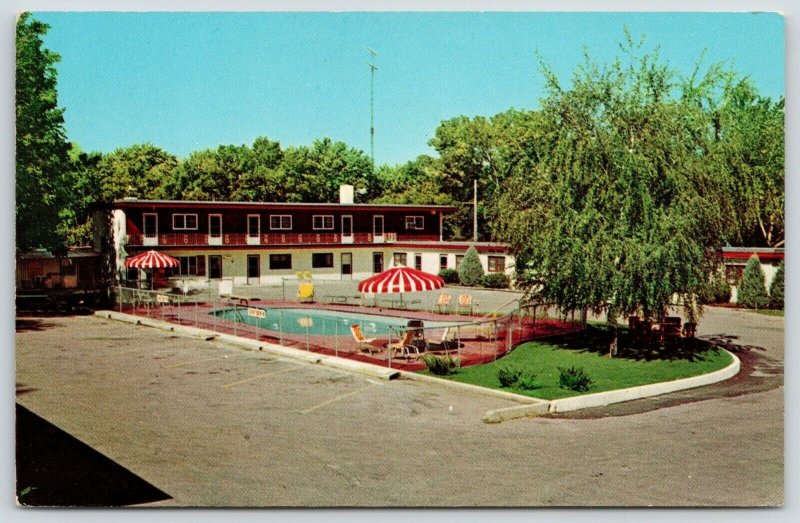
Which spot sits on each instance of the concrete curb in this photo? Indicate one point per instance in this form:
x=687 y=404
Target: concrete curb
x=601 y=399
x=523 y=411
x=519 y=398
x=373 y=371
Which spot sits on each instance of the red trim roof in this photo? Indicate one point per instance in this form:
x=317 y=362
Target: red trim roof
x=184 y=204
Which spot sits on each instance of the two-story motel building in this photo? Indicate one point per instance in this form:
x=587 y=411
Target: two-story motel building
x=263 y=242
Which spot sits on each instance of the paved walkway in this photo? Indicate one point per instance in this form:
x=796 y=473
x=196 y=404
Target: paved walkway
x=211 y=425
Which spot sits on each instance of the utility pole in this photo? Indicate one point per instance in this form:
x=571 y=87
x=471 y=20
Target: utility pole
x=372 y=69
x=475 y=210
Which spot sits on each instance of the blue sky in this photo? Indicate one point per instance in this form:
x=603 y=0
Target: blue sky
x=187 y=81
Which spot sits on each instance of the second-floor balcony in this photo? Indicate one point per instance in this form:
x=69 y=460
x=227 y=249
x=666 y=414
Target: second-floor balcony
x=269 y=239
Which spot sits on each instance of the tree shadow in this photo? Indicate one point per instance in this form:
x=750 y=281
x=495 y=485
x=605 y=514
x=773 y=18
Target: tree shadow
x=726 y=341
x=55 y=469
x=21 y=389
x=598 y=340
x=32 y=324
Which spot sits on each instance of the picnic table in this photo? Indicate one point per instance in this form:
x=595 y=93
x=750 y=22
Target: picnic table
x=342 y=298
x=397 y=303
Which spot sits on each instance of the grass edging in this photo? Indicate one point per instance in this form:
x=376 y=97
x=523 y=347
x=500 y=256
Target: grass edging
x=600 y=399
x=486 y=391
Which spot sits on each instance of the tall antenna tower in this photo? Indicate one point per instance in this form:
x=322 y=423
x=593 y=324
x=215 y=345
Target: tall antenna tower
x=372 y=69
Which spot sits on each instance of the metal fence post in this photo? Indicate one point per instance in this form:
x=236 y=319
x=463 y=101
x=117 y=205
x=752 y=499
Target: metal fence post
x=280 y=326
x=336 y=338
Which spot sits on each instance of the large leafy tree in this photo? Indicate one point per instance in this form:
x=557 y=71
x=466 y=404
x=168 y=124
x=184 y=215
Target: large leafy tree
x=623 y=209
x=141 y=171
x=41 y=147
x=750 y=132
x=486 y=151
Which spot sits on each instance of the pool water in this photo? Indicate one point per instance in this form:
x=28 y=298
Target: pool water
x=322 y=322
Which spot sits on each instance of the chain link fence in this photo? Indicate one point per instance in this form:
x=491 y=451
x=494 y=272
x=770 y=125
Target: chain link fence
x=380 y=330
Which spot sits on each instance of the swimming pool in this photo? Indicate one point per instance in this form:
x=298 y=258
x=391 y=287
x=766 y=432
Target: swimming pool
x=323 y=322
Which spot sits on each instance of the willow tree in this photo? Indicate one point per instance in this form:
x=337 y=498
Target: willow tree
x=623 y=209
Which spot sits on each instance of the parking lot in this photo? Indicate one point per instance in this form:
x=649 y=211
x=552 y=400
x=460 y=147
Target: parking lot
x=215 y=425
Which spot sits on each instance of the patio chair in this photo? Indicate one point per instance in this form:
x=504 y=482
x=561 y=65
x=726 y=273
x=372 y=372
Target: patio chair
x=465 y=301
x=443 y=304
x=689 y=329
x=362 y=342
x=305 y=292
x=405 y=344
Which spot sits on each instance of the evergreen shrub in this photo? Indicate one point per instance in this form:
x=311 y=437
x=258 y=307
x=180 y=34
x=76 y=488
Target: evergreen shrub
x=716 y=290
x=449 y=276
x=574 y=378
x=441 y=365
x=471 y=271
x=752 y=292
x=776 y=289
x=495 y=280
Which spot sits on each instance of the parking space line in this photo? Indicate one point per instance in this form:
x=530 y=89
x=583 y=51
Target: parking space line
x=259 y=376
x=184 y=363
x=337 y=398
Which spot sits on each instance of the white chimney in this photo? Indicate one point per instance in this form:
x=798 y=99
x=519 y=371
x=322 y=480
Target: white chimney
x=345 y=194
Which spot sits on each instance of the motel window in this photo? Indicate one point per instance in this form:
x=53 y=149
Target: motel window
x=322 y=260
x=459 y=259
x=280 y=261
x=280 y=222
x=442 y=261
x=192 y=265
x=400 y=258
x=184 y=222
x=415 y=222
x=497 y=263
x=418 y=262
x=253 y=225
x=322 y=222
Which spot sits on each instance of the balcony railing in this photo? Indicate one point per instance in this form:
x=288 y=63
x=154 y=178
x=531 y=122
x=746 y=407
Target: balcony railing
x=236 y=239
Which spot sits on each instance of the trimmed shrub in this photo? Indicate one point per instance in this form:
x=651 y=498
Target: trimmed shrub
x=574 y=378
x=716 y=290
x=449 y=276
x=527 y=381
x=776 y=289
x=508 y=376
x=752 y=291
x=441 y=365
x=471 y=271
x=495 y=280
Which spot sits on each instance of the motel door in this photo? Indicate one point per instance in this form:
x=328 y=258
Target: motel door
x=214 y=266
x=377 y=228
x=347 y=229
x=253 y=267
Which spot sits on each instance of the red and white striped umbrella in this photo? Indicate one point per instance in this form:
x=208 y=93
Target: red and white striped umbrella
x=400 y=279
x=151 y=260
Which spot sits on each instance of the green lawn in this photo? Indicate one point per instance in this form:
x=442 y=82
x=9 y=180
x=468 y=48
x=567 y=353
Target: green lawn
x=770 y=312
x=586 y=350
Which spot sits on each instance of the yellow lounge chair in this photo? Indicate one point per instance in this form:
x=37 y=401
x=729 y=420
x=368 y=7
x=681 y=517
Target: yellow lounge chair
x=305 y=292
x=362 y=342
x=404 y=344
